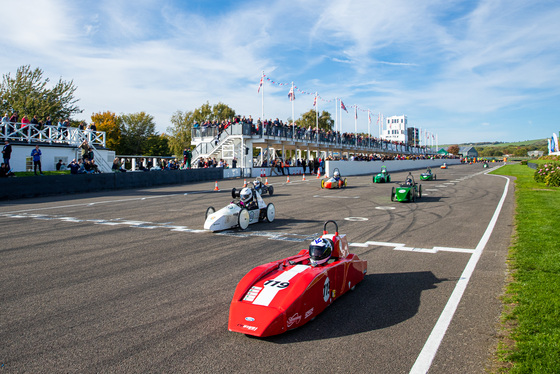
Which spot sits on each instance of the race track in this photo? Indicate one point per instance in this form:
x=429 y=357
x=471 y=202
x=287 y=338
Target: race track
x=128 y=281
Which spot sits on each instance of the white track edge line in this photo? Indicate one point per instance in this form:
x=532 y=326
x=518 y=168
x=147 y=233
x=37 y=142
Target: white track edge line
x=428 y=353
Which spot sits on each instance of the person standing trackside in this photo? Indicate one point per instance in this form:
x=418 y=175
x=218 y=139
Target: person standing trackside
x=36 y=154
x=7 y=153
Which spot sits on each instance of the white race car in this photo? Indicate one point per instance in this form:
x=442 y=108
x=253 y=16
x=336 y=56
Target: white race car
x=248 y=208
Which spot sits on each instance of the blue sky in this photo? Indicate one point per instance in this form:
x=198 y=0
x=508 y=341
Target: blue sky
x=468 y=71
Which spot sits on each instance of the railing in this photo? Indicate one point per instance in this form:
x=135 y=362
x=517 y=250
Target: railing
x=50 y=134
x=301 y=135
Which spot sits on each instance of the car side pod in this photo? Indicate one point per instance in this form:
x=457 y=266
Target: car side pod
x=282 y=295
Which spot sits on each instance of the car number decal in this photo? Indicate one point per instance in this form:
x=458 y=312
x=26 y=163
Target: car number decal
x=271 y=289
x=275 y=283
x=326 y=289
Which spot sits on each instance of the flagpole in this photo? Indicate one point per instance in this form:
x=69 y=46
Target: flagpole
x=317 y=117
x=262 y=99
x=368 y=129
x=293 y=119
x=336 y=120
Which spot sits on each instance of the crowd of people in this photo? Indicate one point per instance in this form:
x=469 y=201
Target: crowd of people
x=278 y=128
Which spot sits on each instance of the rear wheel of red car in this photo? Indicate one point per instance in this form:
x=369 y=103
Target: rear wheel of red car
x=345 y=182
x=243 y=219
x=322 y=183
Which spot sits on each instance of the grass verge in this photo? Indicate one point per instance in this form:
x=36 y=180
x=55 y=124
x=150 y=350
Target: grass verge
x=32 y=174
x=532 y=302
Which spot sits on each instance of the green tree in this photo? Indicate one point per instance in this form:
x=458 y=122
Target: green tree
x=157 y=145
x=136 y=129
x=180 y=132
x=309 y=119
x=28 y=93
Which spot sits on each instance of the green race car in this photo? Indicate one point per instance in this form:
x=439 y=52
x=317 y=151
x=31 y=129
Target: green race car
x=409 y=191
x=383 y=176
x=428 y=176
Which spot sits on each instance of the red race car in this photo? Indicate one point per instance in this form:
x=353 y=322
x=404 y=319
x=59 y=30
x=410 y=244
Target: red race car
x=282 y=295
x=335 y=182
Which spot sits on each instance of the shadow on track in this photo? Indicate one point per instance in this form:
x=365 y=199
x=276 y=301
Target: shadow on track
x=380 y=301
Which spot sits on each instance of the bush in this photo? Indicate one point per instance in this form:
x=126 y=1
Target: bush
x=548 y=174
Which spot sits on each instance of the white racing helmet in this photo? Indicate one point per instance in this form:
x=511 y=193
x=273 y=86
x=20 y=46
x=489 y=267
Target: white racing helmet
x=336 y=174
x=245 y=195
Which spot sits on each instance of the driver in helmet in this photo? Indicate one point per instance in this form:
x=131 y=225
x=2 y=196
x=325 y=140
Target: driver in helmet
x=336 y=175
x=409 y=180
x=246 y=198
x=429 y=170
x=320 y=251
x=258 y=184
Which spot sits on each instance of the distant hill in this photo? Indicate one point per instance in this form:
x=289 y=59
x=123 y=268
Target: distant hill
x=535 y=143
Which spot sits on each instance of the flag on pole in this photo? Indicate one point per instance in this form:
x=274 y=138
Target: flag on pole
x=260 y=84
x=369 y=117
x=342 y=106
x=291 y=94
x=355 y=112
x=315 y=101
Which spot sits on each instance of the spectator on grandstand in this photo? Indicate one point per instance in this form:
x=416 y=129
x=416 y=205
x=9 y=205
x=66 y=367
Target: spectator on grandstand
x=84 y=148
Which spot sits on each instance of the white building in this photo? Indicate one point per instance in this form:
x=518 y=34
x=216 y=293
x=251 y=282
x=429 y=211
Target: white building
x=395 y=129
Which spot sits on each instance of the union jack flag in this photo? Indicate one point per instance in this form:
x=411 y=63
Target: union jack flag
x=343 y=106
x=291 y=94
x=260 y=84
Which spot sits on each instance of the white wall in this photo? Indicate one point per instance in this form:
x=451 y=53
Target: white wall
x=374 y=167
x=50 y=156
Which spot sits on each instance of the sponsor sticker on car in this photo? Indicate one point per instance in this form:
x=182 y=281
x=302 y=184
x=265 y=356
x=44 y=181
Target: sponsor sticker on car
x=295 y=319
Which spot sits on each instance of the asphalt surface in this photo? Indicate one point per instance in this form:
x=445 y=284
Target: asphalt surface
x=128 y=281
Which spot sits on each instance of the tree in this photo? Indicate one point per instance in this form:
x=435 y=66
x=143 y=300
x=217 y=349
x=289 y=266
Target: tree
x=309 y=119
x=136 y=128
x=157 y=145
x=453 y=149
x=180 y=130
x=27 y=93
x=109 y=122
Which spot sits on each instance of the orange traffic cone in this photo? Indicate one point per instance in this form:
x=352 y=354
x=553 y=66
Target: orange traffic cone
x=266 y=181
x=288 y=181
x=303 y=177
x=216 y=188
x=244 y=182
x=318 y=174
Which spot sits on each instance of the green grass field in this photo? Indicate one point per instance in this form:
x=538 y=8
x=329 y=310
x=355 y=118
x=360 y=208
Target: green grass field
x=532 y=302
